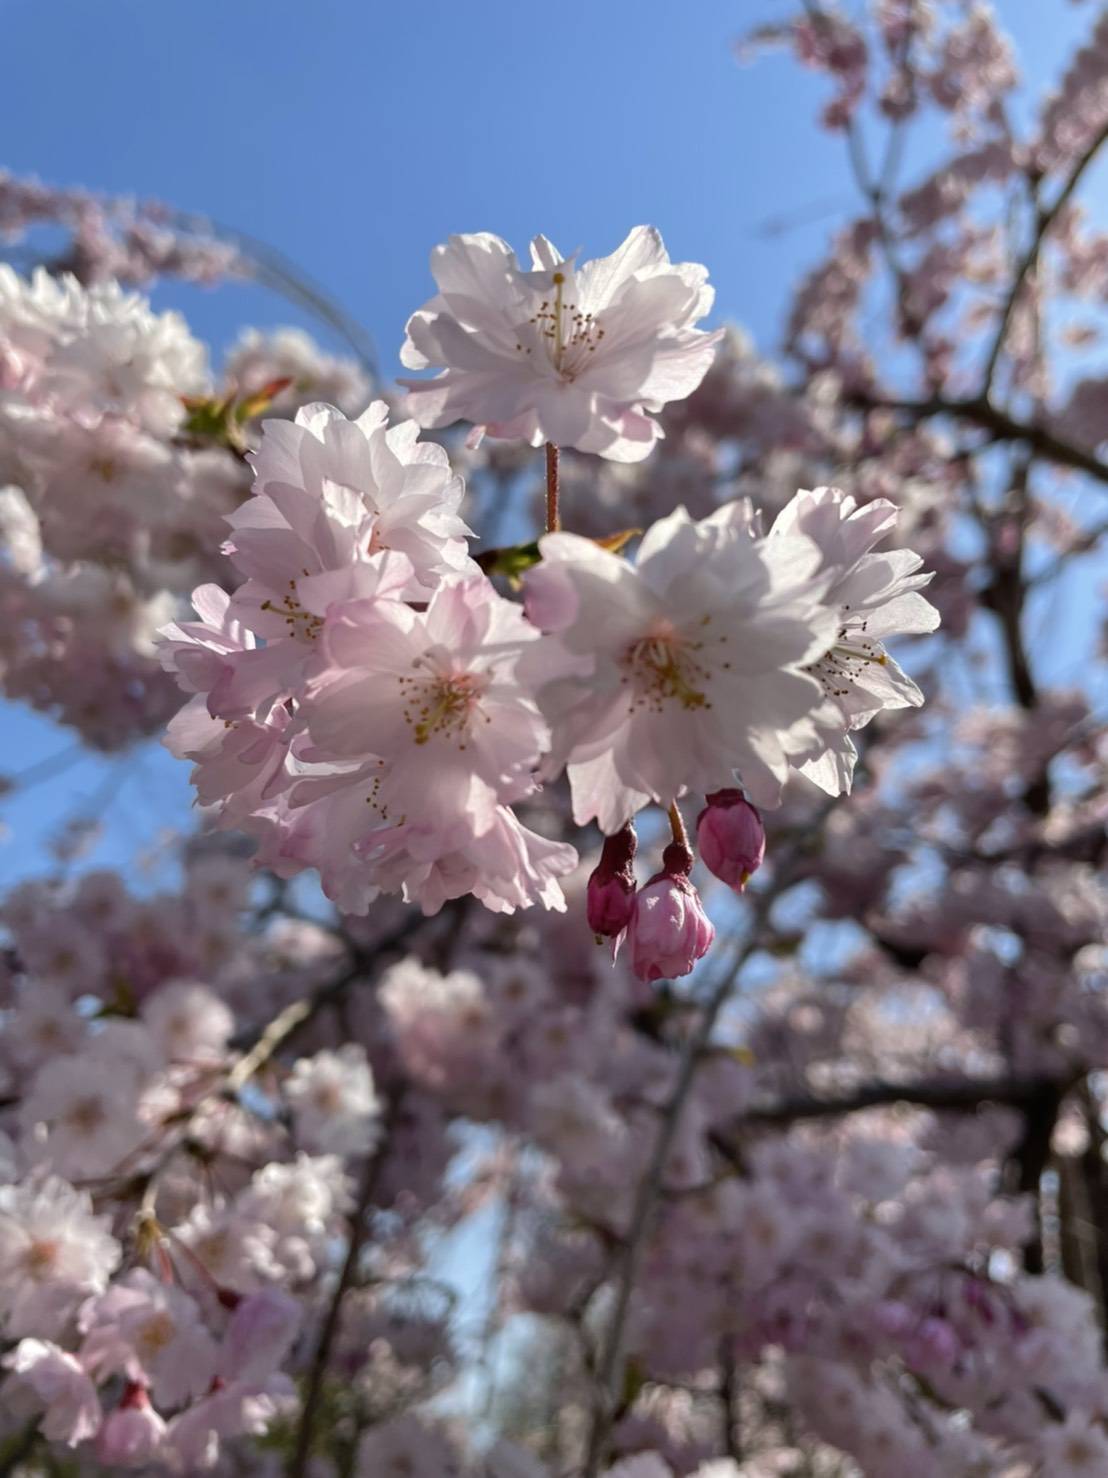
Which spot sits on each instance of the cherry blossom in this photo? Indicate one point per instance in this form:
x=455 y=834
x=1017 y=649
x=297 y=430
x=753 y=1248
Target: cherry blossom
x=668 y=930
x=333 y=1101
x=574 y=355
x=328 y=495
x=877 y=596
x=45 y=1376
x=372 y=1164
x=730 y=837
x=54 y=1252
x=681 y=671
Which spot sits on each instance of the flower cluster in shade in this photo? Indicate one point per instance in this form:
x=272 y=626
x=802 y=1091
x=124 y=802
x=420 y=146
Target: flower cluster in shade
x=170 y=1237
x=111 y=506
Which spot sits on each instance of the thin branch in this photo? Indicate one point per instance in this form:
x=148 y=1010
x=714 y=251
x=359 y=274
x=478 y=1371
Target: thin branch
x=1044 y=221
x=1029 y=1160
x=261 y=1049
x=278 y=272
x=729 y=1392
x=876 y=189
x=359 y=1228
x=956 y=1094
x=45 y=769
x=981 y=412
x=1086 y=542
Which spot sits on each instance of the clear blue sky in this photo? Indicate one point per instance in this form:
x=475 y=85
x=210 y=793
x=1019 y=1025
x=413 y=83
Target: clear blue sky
x=354 y=135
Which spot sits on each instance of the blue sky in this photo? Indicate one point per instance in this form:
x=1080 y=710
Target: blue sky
x=353 y=136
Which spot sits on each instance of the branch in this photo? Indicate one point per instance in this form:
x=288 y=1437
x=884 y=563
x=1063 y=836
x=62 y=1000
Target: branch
x=956 y=1094
x=729 y=1391
x=1029 y=1159
x=979 y=411
x=1045 y=220
x=261 y=1049
x=359 y=1227
x=277 y=272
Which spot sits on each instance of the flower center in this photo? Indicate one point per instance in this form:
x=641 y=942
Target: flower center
x=155 y=1333
x=839 y=668
x=41 y=1257
x=567 y=334
x=440 y=704
x=86 y=1115
x=327 y=1097
x=298 y=621
x=664 y=667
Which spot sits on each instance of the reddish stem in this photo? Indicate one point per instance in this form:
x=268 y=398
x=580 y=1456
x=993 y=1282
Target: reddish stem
x=553 y=518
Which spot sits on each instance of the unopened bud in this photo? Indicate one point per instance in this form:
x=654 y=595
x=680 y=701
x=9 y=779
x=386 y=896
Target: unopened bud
x=669 y=930
x=610 y=894
x=731 y=838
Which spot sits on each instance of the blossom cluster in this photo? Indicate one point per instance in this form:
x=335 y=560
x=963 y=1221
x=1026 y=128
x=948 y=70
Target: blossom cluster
x=170 y=1230
x=112 y=497
x=368 y=703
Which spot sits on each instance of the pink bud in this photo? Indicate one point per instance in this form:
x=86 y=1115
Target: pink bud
x=131 y=1434
x=935 y=1346
x=669 y=930
x=731 y=838
x=611 y=889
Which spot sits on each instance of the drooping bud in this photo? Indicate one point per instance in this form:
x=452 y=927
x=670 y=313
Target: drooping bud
x=132 y=1434
x=669 y=930
x=731 y=838
x=611 y=888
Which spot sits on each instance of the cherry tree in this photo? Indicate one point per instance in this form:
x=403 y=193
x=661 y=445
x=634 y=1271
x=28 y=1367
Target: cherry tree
x=696 y=908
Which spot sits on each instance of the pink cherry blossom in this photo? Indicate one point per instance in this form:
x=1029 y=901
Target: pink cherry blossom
x=132 y=1434
x=329 y=494
x=333 y=1102
x=876 y=596
x=435 y=698
x=611 y=887
x=48 y=1380
x=151 y=1332
x=54 y=1252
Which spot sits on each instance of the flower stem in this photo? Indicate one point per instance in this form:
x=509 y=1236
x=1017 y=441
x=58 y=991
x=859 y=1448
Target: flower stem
x=677 y=826
x=553 y=518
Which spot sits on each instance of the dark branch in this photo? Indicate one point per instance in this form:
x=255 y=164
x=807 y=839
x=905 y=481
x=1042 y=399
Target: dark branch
x=359 y=1229
x=1030 y=259
x=979 y=411
x=958 y=1094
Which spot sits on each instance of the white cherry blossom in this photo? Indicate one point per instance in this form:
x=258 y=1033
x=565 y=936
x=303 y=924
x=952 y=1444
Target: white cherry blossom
x=577 y=355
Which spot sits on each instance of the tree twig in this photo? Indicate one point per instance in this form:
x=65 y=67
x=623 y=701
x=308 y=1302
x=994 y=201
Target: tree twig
x=359 y=1228
x=979 y=411
x=1044 y=221
x=954 y=1094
